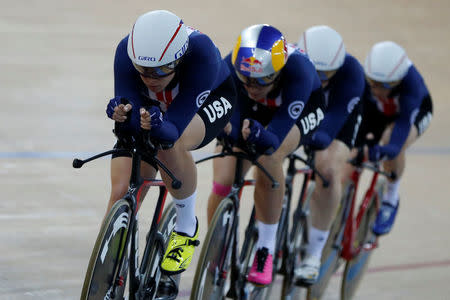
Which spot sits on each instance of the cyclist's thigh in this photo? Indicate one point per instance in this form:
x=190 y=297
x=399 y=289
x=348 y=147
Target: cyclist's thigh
x=120 y=174
x=193 y=135
x=349 y=130
x=312 y=115
x=223 y=170
x=331 y=161
x=215 y=112
x=121 y=170
x=289 y=144
x=373 y=122
x=274 y=163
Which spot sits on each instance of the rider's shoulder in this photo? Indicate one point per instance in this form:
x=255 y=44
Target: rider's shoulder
x=199 y=43
x=122 y=45
x=298 y=61
x=351 y=68
x=413 y=74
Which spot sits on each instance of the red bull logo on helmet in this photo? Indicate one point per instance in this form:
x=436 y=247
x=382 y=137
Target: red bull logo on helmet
x=251 y=64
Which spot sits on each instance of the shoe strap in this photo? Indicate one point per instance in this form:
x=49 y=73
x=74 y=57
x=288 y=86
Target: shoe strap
x=261 y=258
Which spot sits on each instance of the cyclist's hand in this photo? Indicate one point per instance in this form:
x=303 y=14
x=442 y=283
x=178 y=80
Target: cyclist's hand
x=152 y=118
x=225 y=132
x=252 y=131
x=118 y=111
x=245 y=131
x=227 y=129
x=376 y=153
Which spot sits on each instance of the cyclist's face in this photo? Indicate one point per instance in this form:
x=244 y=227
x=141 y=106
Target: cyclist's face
x=157 y=85
x=325 y=77
x=256 y=92
x=380 y=92
x=380 y=89
x=258 y=88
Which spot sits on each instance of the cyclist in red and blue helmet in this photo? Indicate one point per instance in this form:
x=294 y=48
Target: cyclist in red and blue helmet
x=280 y=101
x=169 y=79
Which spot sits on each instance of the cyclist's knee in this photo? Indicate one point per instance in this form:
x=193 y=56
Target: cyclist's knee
x=330 y=170
x=275 y=159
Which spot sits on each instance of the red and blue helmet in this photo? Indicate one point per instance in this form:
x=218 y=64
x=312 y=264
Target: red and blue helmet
x=260 y=52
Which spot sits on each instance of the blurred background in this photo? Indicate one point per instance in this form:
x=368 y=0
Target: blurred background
x=56 y=77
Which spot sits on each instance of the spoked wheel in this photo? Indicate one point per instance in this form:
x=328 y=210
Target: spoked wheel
x=215 y=256
x=109 y=248
x=156 y=285
x=356 y=267
x=298 y=240
x=330 y=260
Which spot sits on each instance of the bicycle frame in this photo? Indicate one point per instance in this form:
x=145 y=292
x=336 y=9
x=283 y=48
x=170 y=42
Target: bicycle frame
x=134 y=199
x=291 y=173
x=349 y=251
x=237 y=287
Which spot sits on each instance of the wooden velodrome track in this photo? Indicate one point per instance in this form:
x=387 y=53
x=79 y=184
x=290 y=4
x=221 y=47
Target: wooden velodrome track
x=56 y=78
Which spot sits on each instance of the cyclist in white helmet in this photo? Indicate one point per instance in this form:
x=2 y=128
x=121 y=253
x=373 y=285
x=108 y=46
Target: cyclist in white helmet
x=279 y=94
x=169 y=79
x=342 y=79
x=397 y=110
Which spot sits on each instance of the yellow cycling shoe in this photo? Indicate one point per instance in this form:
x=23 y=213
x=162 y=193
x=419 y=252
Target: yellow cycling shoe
x=179 y=252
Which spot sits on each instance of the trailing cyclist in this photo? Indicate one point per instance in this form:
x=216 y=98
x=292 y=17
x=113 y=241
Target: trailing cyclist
x=397 y=110
x=342 y=79
x=280 y=101
x=169 y=79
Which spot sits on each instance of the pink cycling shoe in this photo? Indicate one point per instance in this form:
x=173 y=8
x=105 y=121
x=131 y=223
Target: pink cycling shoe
x=261 y=271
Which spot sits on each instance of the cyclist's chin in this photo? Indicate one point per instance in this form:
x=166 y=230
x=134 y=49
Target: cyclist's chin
x=255 y=96
x=155 y=88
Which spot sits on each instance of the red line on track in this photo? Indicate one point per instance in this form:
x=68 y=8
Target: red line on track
x=381 y=269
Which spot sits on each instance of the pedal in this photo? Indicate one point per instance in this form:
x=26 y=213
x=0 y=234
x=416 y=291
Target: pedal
x=167 y=289
x=304 y=282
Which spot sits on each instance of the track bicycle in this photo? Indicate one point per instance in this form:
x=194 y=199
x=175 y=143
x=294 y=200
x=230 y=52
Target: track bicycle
x=222 y=268
x=116 y=253
x=292 y=236
x=351 y=239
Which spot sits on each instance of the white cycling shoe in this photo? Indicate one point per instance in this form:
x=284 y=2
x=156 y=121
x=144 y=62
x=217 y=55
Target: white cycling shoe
x=308 y=272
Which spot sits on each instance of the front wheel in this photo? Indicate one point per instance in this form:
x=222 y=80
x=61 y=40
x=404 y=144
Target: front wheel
x=356 y=267
x=108 y=251
x=214 y=262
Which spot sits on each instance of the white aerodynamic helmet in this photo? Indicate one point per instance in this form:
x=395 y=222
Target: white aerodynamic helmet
x=386 y=62
x=158 y=38
x=324 y=46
